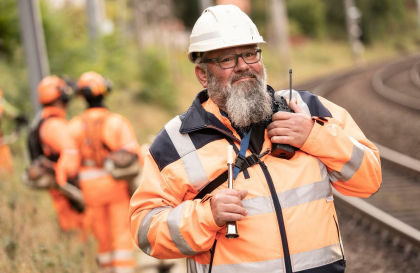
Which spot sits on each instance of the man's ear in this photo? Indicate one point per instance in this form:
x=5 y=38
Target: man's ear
x=201 y=75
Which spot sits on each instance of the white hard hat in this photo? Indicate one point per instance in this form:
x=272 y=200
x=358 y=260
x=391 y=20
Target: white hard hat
x=222 y=27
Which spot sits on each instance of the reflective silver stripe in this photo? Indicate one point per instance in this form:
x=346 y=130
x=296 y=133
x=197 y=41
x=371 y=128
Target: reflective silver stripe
x=205 y=36
x=194 y=267
x=92 y=174
x=272 y=266
x=350 y=167
x=293 y=197
x=188 y=154
x=104 y=258
x=89 y=163
x=119 y=269
x=144 y=229
x=306 y=194
x=173 y=221
x=301 y=261
x=71 y=151
x=258 y=205
x=122 y=255
x=316 y=258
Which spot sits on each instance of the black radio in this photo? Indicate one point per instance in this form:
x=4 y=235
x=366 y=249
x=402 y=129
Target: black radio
x=280 y=104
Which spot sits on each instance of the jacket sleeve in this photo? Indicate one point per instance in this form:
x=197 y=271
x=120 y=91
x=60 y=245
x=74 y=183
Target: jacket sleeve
x=55 y=135
x=163 y=224
x=353 y=161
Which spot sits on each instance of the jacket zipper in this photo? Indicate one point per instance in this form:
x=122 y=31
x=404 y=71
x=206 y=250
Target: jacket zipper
x=280 y=220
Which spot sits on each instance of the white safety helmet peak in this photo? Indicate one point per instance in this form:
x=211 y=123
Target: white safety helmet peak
x=220 y=27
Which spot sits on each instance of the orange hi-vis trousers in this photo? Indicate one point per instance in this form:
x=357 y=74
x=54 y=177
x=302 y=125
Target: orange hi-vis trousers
x=6 y=159
x=107 y=216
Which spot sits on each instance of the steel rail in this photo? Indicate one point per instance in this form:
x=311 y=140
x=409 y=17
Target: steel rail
x=374 y=214
x=415 y=74
x=384 y=219
x=389 y=93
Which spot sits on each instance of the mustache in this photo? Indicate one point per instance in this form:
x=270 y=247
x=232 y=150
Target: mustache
x=243 y=75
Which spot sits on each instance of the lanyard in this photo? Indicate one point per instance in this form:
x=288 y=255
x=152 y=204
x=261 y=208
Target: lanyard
x=242 y=152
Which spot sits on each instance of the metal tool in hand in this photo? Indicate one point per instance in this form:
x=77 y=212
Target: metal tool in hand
x=231 y=228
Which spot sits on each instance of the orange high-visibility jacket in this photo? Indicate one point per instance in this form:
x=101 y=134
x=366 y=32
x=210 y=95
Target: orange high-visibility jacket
x=6 y=158
x=291 y=221
x=59 y=146
x=57 y=143
x=113 y=133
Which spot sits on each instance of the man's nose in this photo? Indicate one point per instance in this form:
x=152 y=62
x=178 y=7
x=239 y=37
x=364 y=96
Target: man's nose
x=241 y=65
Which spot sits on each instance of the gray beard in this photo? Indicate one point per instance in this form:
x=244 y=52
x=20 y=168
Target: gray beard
x=246 y=103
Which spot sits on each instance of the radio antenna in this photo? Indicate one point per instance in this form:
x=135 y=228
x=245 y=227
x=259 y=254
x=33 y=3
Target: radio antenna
x=290 y=95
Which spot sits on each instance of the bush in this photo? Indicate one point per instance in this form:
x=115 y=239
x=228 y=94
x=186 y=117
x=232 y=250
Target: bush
x=309 y=16
x=9 y=27
x=156 y=85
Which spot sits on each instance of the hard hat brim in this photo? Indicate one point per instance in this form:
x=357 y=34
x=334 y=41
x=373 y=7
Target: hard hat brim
x=216 y=47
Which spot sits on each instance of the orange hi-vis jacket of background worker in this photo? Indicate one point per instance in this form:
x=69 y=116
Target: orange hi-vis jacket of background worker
x=98 y=132
x=57 y=143
x=291 y=216
x=6 y=159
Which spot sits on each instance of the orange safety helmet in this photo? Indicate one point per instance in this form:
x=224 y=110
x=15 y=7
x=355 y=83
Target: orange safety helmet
x=91 y=84
x=52 y=88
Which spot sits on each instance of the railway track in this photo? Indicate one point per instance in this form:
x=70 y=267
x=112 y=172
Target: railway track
x=408 y=96
x=394 y=212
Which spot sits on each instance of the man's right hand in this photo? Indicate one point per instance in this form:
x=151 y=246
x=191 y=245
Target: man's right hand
x=226 y=206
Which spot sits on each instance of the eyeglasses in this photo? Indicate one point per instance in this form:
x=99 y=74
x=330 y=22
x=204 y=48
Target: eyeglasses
x=231 y=60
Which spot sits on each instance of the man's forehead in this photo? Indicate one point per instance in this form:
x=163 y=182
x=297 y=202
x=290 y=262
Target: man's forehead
x=224 y=51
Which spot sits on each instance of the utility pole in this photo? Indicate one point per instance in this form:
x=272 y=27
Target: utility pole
x=203 y=4
x=279 y=30
x=418 y=10
x=94 y=9
x=32 y=34
x=353 y=17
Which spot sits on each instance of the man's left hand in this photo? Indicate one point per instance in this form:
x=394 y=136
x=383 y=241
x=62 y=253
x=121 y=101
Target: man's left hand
x=290 y=128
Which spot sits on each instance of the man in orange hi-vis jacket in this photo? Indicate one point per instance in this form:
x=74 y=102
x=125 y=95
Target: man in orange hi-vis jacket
x=282 y=202
x=100 y=135
x=50 y=144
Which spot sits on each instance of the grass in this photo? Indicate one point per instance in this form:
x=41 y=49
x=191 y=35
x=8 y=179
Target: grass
x=30 y=239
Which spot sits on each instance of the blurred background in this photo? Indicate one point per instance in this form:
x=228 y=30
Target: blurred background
x=142 y=45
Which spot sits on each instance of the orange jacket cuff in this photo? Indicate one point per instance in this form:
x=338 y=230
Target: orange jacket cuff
x=314 y=141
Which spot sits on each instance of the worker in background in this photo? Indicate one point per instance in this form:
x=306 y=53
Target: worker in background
x=281 y=200
x=54 y=157
x=110 y=155
x=6 y=158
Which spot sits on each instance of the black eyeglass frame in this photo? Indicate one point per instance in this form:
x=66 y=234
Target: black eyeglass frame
x=258 y=50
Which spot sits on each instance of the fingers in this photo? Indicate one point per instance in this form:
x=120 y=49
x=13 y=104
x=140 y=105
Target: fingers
x=226 y=206
x=278 y=131
x=281 y=116
x=282 y=140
